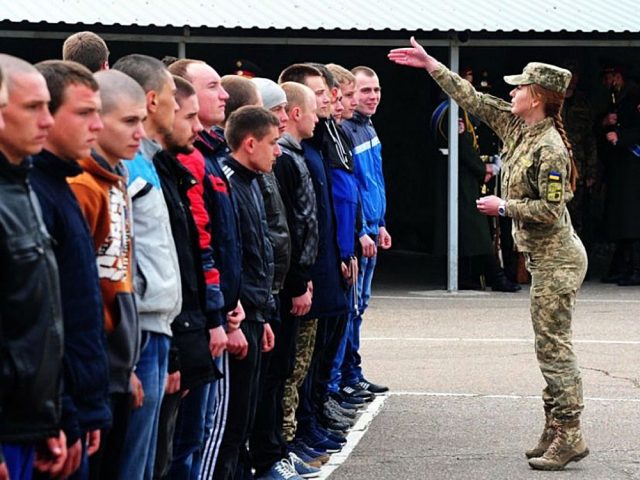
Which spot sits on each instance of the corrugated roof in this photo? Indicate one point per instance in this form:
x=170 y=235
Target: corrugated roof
x=425 y=15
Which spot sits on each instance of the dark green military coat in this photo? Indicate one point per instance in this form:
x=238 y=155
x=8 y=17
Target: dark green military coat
x=622 y=173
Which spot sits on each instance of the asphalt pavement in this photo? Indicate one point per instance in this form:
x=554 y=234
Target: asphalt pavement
x=465 y=385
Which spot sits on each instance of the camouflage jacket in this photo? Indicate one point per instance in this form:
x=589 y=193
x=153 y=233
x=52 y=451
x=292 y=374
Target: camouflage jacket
x=535 y=167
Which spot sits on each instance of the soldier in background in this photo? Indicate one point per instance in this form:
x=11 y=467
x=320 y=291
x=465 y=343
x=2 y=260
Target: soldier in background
x=578 y=116
x=621 y=155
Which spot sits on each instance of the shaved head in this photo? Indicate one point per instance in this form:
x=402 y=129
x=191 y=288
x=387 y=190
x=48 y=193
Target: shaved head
x=12 y=66
x=114 y=86
x=298 y=94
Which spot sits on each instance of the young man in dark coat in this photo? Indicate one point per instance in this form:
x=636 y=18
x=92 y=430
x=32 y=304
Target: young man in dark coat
x=30 y=309
x=75 y=106
x=252 y=133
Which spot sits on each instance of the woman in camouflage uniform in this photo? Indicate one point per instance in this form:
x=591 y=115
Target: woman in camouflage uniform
x=537 y=179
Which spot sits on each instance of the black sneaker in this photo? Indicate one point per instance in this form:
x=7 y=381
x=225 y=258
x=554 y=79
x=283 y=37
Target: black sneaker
x=372 y=387
x=355 y=391
x=353 y=401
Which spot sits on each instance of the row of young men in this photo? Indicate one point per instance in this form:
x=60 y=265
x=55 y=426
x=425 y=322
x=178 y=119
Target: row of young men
x=215 y=231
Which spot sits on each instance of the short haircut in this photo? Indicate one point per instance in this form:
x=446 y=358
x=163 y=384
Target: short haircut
x=11 y=65
x=297 y=94
x=341 y=74
x=180 y=67
x=369 y=72
x=59 y=74
x=326 y=74
x=86 y=48
x=149 y=72
x=246 y=121
x=242 y=92
x=298 y=72
x=115 y=85
x=184 y=89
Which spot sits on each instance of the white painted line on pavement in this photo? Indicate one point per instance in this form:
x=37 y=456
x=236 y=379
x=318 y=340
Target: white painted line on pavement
x=487 y=296
x=490 y=340
x=355 y=435
x=508 y=397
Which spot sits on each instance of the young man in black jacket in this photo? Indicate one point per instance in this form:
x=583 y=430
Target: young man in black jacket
x=252 y=134
x=193 y=366
x=30 y=309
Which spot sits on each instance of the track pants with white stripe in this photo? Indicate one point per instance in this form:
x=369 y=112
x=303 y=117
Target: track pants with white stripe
x=236 y=405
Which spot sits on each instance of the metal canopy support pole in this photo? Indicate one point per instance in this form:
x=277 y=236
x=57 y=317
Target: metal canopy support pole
x=452 y=203
x=182 y=44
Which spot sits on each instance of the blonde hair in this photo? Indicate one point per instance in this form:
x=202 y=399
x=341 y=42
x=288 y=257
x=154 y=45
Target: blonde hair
x=341 y=74
x=553 y=108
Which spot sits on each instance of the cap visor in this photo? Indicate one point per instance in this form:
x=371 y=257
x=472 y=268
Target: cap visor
x=516 y=79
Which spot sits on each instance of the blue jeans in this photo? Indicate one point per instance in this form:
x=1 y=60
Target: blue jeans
x=139 y=448
x=351 y=366
x=19 y=460
x=189 y=434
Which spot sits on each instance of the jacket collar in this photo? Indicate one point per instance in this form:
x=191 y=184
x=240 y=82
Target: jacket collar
x=14 y=172
x=149 y=148
x=212 y=140
x=360 y=118
x=287 y=140
x=178 y=172
x=98 y=166
x=54 y=166
x=539 y=127
x=242 y=171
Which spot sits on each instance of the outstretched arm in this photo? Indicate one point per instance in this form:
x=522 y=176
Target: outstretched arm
x=416 y=57
x=493 y=111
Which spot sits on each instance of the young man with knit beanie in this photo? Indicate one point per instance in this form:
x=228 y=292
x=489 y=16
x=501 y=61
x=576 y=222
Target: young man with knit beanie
x=101 y=191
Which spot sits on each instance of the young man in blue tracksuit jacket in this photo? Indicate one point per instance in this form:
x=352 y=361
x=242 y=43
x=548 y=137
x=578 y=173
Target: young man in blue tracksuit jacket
x=367 y=154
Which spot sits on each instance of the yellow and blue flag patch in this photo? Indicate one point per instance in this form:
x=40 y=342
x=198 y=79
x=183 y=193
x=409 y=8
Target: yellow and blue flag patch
x=554 y=187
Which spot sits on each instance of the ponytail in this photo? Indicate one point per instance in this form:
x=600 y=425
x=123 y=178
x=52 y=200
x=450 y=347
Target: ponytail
x=552 y=108
x=573 y=169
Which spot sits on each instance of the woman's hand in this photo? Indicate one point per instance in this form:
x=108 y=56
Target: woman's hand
x=488 y=205
x=416 y=57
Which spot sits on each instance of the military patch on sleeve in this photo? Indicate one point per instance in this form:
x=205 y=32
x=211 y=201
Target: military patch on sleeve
x=554 y=187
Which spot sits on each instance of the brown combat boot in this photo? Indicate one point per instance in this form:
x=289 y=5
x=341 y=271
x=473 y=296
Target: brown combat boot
x=548 y=434
x=567 y=446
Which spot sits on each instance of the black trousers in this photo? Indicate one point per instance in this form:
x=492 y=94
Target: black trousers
x=266 y=444
x=166 y=429
x=105 y=463
x=328 y=337
x=313 y=392
x=236 y=409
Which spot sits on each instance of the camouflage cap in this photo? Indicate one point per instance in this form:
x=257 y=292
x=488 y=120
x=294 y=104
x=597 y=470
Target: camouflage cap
x=547 y=76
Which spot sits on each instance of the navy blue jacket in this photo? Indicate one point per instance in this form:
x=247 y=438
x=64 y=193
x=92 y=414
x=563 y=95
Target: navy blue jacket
x=225 y=232
x=329 y=287
x=86 y=369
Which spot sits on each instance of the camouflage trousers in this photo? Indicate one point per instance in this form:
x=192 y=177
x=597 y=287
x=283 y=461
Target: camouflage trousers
x=551 y=316
x=305 y=343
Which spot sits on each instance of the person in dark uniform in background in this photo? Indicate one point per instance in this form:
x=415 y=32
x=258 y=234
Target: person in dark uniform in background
x=578 y=116
x=621 y=155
